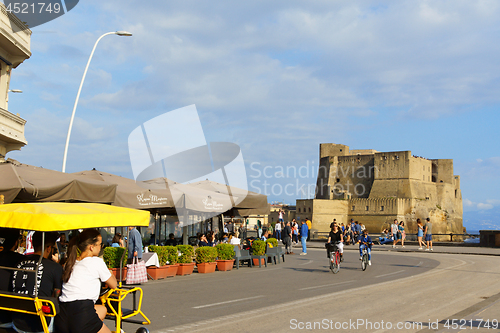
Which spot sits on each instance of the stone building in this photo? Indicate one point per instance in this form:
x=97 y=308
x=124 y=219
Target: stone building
x=15 y=40
x=375 y=188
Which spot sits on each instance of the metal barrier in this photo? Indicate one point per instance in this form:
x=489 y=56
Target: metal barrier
x=324 y=235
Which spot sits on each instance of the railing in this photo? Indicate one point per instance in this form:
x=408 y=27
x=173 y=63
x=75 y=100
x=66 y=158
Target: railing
x=324 y=235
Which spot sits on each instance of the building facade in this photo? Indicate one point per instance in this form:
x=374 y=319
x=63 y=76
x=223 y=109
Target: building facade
x=375 y=188
x=15 y=40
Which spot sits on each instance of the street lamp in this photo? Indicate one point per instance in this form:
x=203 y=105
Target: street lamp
x=15 y=91
x=119 y=33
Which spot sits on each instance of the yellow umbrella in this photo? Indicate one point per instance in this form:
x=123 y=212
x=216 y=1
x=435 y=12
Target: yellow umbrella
x=59 y=216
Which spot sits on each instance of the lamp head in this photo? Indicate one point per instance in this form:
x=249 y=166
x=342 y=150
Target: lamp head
x=123 y=33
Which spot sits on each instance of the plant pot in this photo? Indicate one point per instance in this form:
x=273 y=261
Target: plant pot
x=225 y=265
x=185 y=269
x=116 y=273
x=158 y=273
x=256 y=261
x=172 y=270
x=206 y=267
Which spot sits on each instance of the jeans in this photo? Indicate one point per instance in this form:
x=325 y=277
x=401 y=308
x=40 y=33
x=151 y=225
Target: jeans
x=278 y=234
x=303 y=241
x=385 y=240
x=361 y=247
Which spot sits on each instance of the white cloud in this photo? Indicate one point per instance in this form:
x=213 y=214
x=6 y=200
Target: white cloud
x=481 y=206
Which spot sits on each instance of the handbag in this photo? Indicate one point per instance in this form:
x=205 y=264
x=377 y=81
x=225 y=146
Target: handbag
x=136 y=272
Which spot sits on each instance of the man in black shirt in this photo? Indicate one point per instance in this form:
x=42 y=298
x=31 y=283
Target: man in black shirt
x=171 y=240
x=8 y=258
x=287 y=238
x=48 y=279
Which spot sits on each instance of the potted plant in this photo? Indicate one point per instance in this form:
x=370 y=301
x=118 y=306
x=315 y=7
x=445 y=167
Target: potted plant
x=167 y=256
x=272 y=241
x=112 y=257
x=205 y=259
x=258 y=252
x=185 y=259
x=225 y=255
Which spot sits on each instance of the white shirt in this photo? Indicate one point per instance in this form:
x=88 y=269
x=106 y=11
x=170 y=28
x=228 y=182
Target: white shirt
x=85 y=280
x=235 y=241
x=278 y=226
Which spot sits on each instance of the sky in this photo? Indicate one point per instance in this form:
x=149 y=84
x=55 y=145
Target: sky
x=276 y=78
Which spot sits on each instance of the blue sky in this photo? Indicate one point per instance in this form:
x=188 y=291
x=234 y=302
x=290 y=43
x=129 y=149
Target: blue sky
x=277 y=78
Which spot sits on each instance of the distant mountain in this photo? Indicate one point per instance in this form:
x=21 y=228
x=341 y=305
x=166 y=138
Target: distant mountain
x=482 y=219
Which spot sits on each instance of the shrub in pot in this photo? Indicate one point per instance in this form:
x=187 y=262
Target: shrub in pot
x=272 y=241
x=112 y=257
x=258 y=249
x=205 y=259
x=185 y=259
x=225 y=255
x=167 y=256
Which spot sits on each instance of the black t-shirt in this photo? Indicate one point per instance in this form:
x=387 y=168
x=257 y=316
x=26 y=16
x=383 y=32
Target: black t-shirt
x=287 y=232
x=335 y=236
x=171 y=242
x=7 y=259
x=49 y=278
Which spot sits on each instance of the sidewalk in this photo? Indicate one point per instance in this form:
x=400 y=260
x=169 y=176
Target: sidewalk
x=439 y=247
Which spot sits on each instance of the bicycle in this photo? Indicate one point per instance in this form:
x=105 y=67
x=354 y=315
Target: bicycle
x=364 y=257
x=334 y=257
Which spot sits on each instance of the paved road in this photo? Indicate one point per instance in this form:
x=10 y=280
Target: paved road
x=182 y=304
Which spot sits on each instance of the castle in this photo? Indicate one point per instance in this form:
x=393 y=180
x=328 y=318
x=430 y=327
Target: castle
x=375 y=188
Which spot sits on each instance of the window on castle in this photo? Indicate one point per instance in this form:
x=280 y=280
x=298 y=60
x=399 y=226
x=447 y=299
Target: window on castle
x=381 y=208
x=423 y=178
x=309 y=209
x=338 y=180
x=367 y=208
x=353 y=207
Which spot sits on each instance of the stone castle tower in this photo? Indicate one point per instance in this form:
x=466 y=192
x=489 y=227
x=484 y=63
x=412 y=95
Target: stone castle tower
x=375 y=188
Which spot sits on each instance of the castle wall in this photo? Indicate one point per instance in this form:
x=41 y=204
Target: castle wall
x=354 y=175
x=377 y=214
x=322 y=212
x=332 y=149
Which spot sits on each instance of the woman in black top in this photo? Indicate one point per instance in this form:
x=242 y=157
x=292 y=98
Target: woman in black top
x=336 y=236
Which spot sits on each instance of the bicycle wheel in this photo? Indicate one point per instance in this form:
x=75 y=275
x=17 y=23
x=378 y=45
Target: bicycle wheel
x=335 y=262
x=332 y=262
x=364 y=261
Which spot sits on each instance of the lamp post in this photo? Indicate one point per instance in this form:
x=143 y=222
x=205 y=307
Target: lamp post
x=119 y=33
x=15 y=91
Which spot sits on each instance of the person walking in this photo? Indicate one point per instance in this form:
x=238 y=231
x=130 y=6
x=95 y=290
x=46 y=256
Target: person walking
x=277 y=228
x=394 y=233
x=402 y=233
x=304 y=232
x=309 y=226
x=428 y=234
x=134 y=244
x=287 y=238
x=420 y=234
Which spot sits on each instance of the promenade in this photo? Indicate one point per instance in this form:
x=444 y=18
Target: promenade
x=417 y=290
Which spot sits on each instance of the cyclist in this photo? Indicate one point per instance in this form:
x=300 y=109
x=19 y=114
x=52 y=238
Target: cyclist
x=365 y=241
x=334 y=237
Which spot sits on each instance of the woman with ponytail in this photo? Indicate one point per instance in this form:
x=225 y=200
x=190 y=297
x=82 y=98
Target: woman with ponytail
x=83 y=273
